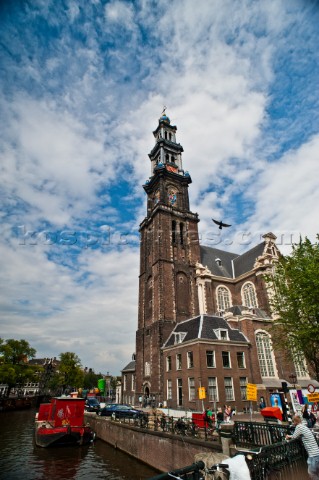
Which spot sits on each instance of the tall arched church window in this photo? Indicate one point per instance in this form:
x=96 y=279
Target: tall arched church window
x=248 y=294
x=223 y=299
x=149 y=300
x=173 y=231
x=182 y=294
x=265 y=355
x=181 y=232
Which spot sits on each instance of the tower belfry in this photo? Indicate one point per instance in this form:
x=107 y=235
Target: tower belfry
x=168 y=254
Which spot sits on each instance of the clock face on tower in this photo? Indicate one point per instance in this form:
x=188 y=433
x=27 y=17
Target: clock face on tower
x=172 y=196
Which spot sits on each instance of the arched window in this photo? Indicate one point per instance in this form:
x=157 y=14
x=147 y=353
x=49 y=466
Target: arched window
x=173 y=231
x=148 y=300
x=249 y=295
x=265 y=355
x=182 y=295
x=223 y=299
x=181 y=232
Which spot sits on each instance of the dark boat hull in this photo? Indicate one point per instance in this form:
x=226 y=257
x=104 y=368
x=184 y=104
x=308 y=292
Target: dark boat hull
x=63 y=436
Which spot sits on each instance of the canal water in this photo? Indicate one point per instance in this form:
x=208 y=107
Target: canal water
x=20 y=459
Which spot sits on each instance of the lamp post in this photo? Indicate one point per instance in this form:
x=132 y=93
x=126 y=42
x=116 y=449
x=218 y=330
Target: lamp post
x=293 y=379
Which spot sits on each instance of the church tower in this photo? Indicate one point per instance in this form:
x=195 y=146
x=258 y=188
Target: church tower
x=169 y=251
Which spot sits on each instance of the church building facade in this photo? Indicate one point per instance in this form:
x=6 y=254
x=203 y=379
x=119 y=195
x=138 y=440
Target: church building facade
x=203 y=314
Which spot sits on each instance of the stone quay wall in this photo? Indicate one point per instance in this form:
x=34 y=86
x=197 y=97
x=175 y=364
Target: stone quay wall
x=161 y=451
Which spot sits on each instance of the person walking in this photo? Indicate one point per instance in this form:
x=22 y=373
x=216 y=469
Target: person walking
x=310 y=444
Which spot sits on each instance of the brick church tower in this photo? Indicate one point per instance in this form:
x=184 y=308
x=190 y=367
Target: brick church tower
x=169 y=251
x=204 y=318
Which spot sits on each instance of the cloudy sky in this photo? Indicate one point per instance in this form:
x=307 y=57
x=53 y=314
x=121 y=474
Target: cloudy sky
x=83 y=84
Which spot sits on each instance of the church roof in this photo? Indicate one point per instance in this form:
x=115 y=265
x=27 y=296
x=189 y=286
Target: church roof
x=130 y=367
x=238 y=309
x=204 y=327
x=230 y=265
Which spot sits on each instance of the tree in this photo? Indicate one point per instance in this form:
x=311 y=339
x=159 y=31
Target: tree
x=295 y=303
x=70 y=371
x=14 y=368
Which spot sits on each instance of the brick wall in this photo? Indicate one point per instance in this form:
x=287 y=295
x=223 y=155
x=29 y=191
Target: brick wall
x=156 y=449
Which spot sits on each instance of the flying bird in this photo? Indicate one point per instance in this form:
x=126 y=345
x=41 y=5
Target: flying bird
x=221 y=224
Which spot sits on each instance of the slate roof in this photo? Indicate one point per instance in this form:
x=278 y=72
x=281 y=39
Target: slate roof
x=202 y=327
x=238 y=309
x=232 y=265
x=130 y=367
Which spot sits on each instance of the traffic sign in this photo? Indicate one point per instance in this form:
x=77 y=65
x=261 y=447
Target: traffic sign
x=201 y=393
x=251 y=392
x=311 y=388
x=313 y=397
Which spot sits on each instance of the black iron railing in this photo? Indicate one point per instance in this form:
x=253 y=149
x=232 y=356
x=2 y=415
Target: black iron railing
x=192 y=472
x=256 y=434
x=174 y=425
x=288 y=458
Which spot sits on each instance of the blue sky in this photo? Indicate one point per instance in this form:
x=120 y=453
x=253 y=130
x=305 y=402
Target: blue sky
x=83 y=84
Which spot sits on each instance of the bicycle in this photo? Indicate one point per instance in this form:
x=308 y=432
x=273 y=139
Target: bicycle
x=192 y=429
x=180 y=426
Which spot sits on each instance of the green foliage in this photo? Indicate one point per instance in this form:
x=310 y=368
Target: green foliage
x=14 y=368
x=70 y=371
x=90 y=380
x=15 y=351
x=295 y=302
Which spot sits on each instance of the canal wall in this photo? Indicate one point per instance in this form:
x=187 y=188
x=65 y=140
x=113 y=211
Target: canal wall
x=160 y=450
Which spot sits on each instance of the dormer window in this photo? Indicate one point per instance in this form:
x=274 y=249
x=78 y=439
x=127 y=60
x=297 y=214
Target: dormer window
x=221 y=334
x=218 y=261
x=179 y=337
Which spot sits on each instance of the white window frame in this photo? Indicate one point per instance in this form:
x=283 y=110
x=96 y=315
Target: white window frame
x=223 y=296
x=229 y=359
x=249 y=295
x=213 y=389
x=191 y=389
x=229 y=389
x=266 y=357
x=243 y=387
x=179 y=337
x=169 y=389
x=179 y=361
x=243 y=359
x=190 y=359
x=214 y=358
x=222 y=334
x=168 y=363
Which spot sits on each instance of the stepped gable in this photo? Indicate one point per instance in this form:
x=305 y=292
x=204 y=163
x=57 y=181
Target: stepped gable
x=204 y=327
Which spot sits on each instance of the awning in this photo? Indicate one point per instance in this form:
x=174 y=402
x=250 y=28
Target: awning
x=274 y=382
x=305 y=382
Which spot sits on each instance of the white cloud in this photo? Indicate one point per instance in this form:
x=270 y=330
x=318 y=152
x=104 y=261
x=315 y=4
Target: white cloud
x=79 y=108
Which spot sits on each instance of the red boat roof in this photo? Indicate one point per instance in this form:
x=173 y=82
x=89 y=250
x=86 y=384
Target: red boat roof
x=63 y=411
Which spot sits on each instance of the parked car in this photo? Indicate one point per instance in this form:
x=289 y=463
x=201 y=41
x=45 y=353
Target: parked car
x=120 y=411
x=92 y=404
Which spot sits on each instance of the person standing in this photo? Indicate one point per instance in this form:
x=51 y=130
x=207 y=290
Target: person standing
x=219 y=418
x=310 y=444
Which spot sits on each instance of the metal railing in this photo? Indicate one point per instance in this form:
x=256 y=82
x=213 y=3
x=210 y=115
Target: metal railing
x=172 y=425
x=288 y=458
x=257 y=434
x=192 y=472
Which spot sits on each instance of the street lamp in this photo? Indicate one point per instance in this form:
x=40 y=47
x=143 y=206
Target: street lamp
x=293 y=379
